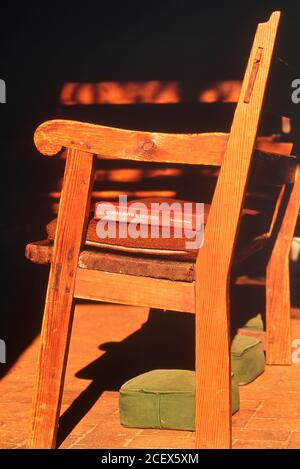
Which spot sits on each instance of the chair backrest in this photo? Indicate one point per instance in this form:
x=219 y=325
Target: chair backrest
x=224 y=216
x=233 y=152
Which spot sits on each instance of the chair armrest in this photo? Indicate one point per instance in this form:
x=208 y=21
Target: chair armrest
x=109 y=142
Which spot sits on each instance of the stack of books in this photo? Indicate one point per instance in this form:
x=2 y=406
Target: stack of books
x=156 y=226
x=160 y=225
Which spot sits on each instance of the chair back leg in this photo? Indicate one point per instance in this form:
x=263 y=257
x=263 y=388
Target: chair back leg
x=278 y=306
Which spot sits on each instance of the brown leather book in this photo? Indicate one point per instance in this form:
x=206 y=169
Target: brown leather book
x=172 y=245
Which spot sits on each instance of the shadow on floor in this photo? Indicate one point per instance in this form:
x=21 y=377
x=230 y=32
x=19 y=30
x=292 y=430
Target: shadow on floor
x=23 y=295
x=166 y=340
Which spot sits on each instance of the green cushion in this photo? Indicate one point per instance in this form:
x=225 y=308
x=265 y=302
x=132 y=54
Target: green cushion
x=162 y=399
x=247 y=358
x=254 y=324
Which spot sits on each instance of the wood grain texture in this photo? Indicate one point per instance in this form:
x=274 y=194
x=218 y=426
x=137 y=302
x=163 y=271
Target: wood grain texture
x=213 y=400
x=57 y=321
x=133 y=290
x=108 y=142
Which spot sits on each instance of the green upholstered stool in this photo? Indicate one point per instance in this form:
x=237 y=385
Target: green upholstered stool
x=254 y=324
x=247 y=358
x=163 y=399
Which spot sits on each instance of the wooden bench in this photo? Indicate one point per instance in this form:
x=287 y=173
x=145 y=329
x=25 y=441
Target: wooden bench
x=243 y=171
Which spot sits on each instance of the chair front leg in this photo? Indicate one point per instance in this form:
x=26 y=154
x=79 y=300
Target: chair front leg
x=58 y=312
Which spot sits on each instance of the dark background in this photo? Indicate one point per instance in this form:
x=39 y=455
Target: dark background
x=46 y=44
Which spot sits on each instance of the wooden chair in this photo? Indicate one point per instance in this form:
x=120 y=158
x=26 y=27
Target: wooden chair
x=205 y=291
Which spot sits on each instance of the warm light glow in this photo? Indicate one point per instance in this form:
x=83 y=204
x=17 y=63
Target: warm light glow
x=163 y=172
x=112 y=195
x=115 y=194
x=146 y=92
x=286 y=125
x=119 y=175
x=113 y=92
x=221 y=91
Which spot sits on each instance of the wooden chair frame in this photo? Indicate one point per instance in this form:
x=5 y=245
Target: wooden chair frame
x=208 y=296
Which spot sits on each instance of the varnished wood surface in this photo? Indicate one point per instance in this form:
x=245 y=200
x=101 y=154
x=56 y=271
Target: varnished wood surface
x=278 y=304
x=58 y=312
x=108 y=142
x=213 y=374
x=134 y=290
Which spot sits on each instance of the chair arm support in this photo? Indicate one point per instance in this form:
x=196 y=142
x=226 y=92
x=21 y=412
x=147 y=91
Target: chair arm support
x=109 y=142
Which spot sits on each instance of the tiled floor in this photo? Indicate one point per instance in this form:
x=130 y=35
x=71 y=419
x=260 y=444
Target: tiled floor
x=270 y=406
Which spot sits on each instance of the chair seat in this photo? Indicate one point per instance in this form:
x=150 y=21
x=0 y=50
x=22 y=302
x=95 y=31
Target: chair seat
x=40 y=252
x=163 y=258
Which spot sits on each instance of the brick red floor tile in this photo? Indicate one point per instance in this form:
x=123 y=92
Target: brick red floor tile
x=242 y=417
x=256 y=444
x=269 y=415
x=161 y=441
x=274 y=424
x=294 y=442
x=258 y=434
x=286 y=407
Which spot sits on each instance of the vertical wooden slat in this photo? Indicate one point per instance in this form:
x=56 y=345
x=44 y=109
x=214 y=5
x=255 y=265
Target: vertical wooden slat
x=278 y=307
x=58 y=313
x=213 y=377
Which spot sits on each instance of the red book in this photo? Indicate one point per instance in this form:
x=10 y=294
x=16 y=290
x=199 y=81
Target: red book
x=167 y=213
